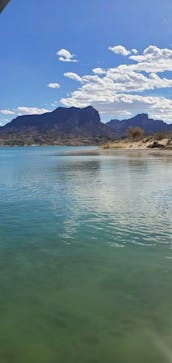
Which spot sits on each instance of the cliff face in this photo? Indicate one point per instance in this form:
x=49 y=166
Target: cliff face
x=63 y=125
x=149 y=125
x=73 y=126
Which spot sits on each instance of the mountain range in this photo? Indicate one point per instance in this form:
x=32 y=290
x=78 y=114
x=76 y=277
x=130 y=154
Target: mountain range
x=73 y=126
x=149 y=125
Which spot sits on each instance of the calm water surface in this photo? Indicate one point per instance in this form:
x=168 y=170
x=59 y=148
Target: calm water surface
x=85 y=256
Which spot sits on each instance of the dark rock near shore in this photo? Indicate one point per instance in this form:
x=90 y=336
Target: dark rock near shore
x=156 y=145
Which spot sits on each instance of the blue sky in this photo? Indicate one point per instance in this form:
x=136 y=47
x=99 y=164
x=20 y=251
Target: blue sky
x=115 y=55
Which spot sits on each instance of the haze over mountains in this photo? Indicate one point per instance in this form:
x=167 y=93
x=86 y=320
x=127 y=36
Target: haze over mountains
x=73 y=126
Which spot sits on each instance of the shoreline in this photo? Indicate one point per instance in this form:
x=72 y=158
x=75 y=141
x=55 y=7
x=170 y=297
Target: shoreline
x=101 y=149
x=146 y=143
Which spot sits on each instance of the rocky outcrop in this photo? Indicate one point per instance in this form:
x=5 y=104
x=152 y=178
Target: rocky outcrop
x=61 y=126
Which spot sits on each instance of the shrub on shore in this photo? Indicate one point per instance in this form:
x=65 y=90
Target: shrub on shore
x=135 y=133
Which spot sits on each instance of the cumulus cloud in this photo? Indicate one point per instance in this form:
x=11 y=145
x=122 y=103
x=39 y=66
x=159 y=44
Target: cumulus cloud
x=118 y=90
x=153 y=59
x=99 y=70
x=65 y=55
x=134 y=51
x=73 y=76
x=53 y=85
x=31 y=110
x=117 y=80
x=119 y=49
x=127 y=80
x=7 y=112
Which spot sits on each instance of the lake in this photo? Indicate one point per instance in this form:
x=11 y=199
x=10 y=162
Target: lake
x=85 y=256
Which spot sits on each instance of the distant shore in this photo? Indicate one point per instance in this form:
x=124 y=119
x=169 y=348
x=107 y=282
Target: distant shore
x=149 y=143
x=146 y=143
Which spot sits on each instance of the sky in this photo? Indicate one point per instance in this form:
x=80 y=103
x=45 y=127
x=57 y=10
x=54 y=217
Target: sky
x=113 y=55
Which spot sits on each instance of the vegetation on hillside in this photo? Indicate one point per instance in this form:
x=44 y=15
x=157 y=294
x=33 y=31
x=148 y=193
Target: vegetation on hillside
x=135 y=140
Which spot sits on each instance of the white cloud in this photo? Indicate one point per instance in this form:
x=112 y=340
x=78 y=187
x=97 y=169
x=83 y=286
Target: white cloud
x=64 y=55
x=153 y=59
x=118 y=90
x=134 y=51
x=127 y=80
x=53 y=85
x=73 y=76
x=31 y=110
x=99 y=71
x=119 y=49
x=7 y=112
x=117 y=80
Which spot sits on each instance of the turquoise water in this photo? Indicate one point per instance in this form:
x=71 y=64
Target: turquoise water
x=85 y=256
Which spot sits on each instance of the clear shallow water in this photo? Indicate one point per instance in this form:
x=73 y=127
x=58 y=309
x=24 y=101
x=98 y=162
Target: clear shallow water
x=85 y=256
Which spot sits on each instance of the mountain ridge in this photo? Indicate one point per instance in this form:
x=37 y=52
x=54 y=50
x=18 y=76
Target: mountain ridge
x=73 y=126
x=63 y=125
x=142 y=120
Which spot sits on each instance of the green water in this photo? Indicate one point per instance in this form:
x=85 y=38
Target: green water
x=85 y=256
